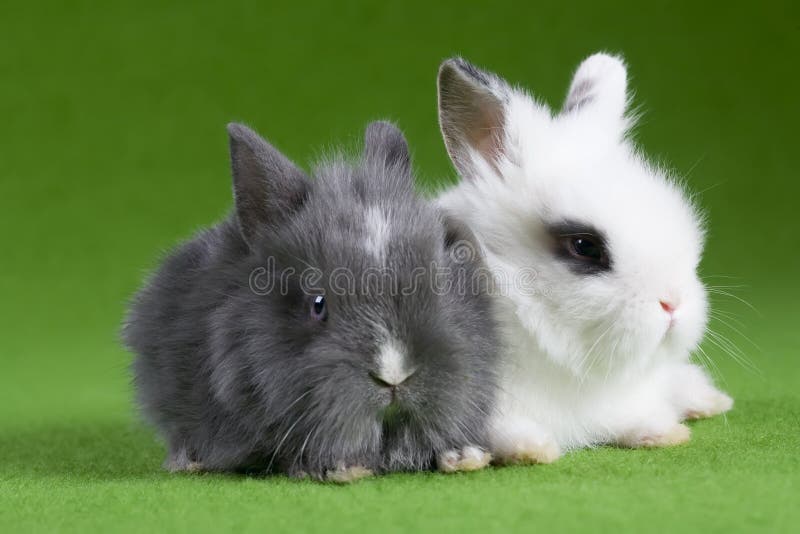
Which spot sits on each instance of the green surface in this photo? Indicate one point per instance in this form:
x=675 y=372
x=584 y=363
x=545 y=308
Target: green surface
x=112 y=147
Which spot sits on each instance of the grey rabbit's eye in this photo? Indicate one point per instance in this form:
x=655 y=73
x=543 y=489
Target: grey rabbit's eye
x=319 y=311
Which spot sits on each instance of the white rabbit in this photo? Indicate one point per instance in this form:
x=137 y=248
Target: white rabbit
x=597 y=343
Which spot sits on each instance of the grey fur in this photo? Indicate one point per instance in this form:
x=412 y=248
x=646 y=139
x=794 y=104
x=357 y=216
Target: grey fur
x=234 y=380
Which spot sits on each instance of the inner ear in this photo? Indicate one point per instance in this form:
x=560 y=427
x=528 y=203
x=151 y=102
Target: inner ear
x=471 y=114
x=599 y=86
x=580 y=94
x=485 y=136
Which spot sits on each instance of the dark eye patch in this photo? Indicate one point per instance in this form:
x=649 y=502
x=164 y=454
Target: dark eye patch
x=582 y=247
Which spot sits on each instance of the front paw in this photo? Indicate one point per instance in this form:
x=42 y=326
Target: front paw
x=712 y=403
x=520 y=441
x=184 y=467
x=180 y=461
x=345 y=474
x=695 y=395
x=469 y=458
x=668 y=437
x=530 y=451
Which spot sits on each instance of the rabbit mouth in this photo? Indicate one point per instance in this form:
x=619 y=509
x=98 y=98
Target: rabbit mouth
x=392 y=413
x=393 y=417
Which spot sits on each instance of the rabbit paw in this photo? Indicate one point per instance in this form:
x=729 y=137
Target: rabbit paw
x=531 y=451
x=347 y=474
x=713 y=403
x=519 y=440
x=181 y=462
x=694 y=394
x=469 y=458
x=189 y=467
x=673 y=435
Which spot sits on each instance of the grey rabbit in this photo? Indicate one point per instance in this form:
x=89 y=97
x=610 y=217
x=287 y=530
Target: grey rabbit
x=244 y=362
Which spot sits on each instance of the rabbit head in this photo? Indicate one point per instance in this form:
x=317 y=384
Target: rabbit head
x=613 y=241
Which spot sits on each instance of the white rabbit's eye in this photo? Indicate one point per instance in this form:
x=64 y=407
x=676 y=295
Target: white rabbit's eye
x=586 y=247
x=582 y=247
x=319 y=311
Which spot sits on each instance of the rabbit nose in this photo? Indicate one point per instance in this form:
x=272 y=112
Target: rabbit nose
x=393 y=380
x=668 y=306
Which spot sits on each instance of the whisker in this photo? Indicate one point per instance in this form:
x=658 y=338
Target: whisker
x=710 y=365
x=727 y=315
x=739 y=286
x=286 y=410
x=729 y=325
x=736 y=297
x=611 y=360
x=591 y=349
x=280 y=444
x=729 y=348
x=299 y=456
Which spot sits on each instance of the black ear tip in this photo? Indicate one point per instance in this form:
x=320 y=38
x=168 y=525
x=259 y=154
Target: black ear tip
x=461 y=69
x=450 y=67
x=451 y=63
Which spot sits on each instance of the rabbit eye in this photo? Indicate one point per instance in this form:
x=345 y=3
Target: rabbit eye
x=319 y=311
x=582 y=247
x=586 y=248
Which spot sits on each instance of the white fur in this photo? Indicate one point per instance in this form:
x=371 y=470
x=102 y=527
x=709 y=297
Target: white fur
x=392 y=363
x=378 y=237
x=589 y=359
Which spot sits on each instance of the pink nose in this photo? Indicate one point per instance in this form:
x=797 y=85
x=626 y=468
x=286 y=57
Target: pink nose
x=667 y=306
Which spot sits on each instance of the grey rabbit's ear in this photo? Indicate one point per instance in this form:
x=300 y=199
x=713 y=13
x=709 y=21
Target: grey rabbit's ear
x=267 y=187
x=385 y=144
x=472 y=109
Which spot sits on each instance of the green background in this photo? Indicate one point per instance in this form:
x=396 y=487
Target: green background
x=113 y=147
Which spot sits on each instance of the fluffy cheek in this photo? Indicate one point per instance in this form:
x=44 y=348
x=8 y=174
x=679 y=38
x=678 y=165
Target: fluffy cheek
x=646 y=326
x=653 y=333
x=692 y=319
x=586 y=322
x=339 y=423
x=450 y=411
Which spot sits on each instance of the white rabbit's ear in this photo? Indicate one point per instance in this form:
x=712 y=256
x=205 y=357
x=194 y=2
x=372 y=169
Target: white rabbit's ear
x=599 y=87
x=472 y=114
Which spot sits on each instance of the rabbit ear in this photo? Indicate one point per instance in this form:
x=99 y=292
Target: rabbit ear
x=599 y=87
x=385 y=144
x=472 y=114
x=266 y=185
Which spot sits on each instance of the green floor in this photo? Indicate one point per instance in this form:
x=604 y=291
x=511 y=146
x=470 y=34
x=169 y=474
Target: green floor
x=112 y=147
